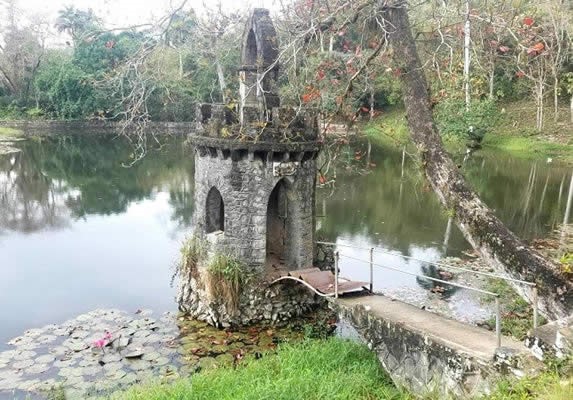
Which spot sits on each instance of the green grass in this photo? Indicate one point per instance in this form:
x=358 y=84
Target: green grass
x=517 y=314
x=530 y=147
x=391 y=129
x=547 y=386
x=514 y=133
x=10 y=132
x=330 y=369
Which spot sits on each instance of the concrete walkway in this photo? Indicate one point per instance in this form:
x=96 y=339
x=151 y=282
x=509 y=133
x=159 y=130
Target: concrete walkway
x=475 y=342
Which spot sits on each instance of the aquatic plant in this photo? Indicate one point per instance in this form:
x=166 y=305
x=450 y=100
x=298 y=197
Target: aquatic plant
x=566 y=262
x=193 y=250
x=226 y=275
x=104 y=341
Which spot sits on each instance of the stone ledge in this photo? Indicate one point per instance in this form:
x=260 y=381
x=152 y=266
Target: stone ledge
x=234 y=144
x=425 y=352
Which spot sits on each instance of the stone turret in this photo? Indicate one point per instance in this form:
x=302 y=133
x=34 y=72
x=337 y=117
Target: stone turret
x=255 y=173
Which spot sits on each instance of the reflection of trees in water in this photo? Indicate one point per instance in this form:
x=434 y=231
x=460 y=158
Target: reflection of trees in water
x=393 y=208
x=442 y=289
x=525 y=194
x=29 y=200
x=58 y=178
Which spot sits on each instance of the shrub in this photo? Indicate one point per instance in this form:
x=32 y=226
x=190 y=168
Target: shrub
x=226 y=276
x=454 y=121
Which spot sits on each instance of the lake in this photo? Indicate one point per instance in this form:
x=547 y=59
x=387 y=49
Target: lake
x=80 y=230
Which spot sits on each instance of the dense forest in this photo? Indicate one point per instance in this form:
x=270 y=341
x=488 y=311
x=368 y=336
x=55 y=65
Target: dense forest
x=333 y=56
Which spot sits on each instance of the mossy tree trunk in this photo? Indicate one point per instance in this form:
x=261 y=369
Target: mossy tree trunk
x=500 y=247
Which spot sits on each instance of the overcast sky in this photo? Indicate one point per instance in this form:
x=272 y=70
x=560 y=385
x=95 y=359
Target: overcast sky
x=120 y=13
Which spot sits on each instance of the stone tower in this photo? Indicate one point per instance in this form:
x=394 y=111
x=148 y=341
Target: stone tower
x=255 y=179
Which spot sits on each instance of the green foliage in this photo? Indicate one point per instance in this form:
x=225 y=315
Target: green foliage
x=516 y=313
x=10 y=132
x=454 y=121
x=319 y=329
x=192 y=251
x=333 y=369
x=65 y=90
x=228 y=268
x=566 y=262
x=546 y=386
x=106 y=51
x=390 y=128
x=227 y=275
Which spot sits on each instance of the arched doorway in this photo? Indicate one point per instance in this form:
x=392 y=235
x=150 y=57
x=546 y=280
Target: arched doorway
x=277 y=224
x=214 y=211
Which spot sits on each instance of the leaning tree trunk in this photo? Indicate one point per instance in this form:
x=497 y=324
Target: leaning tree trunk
x=501 y=248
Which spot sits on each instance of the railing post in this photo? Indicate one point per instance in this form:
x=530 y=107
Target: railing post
x=497 y=321
x=336 y=258
x=371 y=269
x=535 y=307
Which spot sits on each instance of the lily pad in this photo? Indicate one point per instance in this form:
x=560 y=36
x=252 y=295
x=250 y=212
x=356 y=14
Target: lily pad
x=76 y=345
x=161 y=361
x=113 y=366
x=128 y=379
x=64 y=363
x=90 y=371
x=115 y=375
x=139 y=365
x=24 y=355
x=152 y=355
x=45 y=359
x=37 y=369
x=28 y=384
x=133 y=352
x=207 y=363
x=111 y=357
x=23 y=364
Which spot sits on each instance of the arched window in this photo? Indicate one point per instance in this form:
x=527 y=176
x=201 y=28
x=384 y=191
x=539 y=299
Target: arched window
x=214 y=212
x=277 y=215
x=251 y=51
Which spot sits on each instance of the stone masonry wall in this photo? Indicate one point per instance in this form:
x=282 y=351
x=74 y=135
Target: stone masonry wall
x=423 y=365
x=258 y=301
x=245 y=186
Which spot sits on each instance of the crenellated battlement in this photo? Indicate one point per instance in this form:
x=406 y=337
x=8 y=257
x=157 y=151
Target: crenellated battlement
x=279 y=125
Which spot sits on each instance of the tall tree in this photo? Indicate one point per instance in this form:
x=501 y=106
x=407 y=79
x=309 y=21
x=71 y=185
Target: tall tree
x=20 y=54
x=77 y=23
x=484 y=231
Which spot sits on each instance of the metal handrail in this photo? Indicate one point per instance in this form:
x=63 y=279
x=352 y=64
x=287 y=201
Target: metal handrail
x=532 y=285
x=426 y=277
x=494 y=295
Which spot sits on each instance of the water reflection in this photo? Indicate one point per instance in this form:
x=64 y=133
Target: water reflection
x=83 y=232
x=392 y=208
x=29 y=200
x=58 y=179
x=79 y=231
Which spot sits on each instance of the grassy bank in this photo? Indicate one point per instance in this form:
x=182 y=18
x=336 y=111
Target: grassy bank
x=324 y=369
x=9 y=132
x=514 y=132
x=329 y=369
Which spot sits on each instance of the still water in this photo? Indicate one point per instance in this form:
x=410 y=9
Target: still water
x=80 y=231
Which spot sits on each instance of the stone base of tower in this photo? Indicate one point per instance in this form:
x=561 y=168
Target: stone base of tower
x=257 y=302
